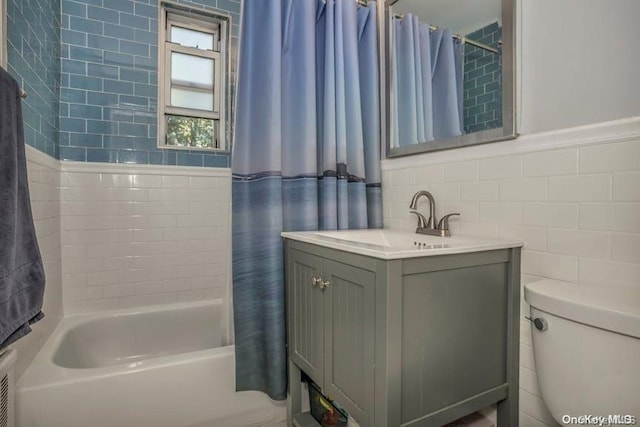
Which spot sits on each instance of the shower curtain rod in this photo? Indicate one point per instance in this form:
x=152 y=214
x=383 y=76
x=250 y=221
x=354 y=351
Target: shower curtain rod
x=463 y=39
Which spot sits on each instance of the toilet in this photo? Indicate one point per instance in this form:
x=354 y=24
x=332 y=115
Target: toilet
x=586 y=346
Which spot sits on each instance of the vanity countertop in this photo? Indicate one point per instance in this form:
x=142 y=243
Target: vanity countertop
x=392 y=244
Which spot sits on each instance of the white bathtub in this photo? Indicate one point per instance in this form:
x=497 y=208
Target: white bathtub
x=153 y=367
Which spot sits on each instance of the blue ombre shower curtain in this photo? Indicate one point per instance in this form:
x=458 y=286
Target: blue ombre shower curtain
x=427 y=83
x=306 y=156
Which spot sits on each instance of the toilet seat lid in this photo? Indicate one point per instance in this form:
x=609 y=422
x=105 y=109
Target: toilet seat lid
x=614 y=308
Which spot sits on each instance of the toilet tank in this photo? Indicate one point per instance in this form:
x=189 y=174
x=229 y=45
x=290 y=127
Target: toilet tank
x=588 y=358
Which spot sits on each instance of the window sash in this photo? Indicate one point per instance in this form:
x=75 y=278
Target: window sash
x=217 y=82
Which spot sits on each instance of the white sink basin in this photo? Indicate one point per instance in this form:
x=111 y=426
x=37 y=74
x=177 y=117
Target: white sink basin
x=392 y=244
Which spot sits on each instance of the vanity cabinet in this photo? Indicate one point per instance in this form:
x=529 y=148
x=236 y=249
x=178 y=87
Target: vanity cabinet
x=420 y=341
x=331 y=316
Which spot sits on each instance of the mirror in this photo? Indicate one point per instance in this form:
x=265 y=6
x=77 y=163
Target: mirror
x=449 y=67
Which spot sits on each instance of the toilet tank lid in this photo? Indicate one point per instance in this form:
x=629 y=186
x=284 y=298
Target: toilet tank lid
x=614 y=308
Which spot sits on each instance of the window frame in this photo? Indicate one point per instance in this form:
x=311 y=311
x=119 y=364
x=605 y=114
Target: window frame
x=3 y=34
x=206 y=21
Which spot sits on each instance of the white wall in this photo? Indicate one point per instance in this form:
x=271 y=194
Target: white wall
x=579 y=62
x=571 y=194
x=575 y=204
x=136 y=235
x=44 y=181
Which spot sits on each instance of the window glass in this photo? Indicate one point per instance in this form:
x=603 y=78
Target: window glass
x=185 y=98
x=191 y=38
x=192 y=132
x=192 y=71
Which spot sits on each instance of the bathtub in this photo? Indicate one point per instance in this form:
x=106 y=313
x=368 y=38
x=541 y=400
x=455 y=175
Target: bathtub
x=163 y=366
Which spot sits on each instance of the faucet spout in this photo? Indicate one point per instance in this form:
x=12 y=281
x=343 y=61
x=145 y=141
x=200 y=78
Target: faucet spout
x=431 y=222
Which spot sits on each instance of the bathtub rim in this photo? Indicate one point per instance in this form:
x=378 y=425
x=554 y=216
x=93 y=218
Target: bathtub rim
x=44 y=372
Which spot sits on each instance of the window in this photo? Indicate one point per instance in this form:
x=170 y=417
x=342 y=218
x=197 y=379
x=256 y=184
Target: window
x=192 y=84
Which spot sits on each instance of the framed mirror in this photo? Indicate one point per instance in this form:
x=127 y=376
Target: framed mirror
x=449 y=68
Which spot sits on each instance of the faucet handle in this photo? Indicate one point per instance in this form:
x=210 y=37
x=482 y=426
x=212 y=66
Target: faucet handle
x=422 y=221
x=444 y=221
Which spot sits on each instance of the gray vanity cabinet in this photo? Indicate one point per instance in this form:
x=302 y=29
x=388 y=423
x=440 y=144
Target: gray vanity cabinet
x=415 y=342
x=331 y=316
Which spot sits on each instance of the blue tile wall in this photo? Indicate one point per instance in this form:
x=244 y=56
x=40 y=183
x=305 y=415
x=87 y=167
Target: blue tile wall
x=33 y=38
x=108 y=95
x=483 y=81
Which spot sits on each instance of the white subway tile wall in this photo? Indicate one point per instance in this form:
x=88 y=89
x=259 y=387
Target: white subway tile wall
x=44 y=183
x=576 y=209
x=146 y=236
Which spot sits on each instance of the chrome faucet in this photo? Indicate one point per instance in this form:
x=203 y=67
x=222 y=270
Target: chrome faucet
x=428 y=226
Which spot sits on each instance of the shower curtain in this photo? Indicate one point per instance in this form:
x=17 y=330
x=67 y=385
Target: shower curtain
x=306 y=156
x=427 y=83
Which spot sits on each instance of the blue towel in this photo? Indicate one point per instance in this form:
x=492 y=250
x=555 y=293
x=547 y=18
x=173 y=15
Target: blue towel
x=21 y=271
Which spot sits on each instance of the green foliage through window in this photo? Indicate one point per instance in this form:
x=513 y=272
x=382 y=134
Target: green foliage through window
x=191 y=132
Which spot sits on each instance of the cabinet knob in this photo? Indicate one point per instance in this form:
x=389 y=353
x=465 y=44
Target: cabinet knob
x=316 y=281
x=324 y=285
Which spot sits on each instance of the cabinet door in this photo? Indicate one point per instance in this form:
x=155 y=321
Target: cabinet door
x=349 y=339
x=306 y=317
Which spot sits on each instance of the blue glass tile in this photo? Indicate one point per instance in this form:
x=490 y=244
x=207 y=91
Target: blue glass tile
x=133 y=101
x=141 y=157
x=98 y=70
x=102 y=126
x=85 y=25
x=83 y=82
x=102 y=14
x=143 y=63
x=63 y=138
x=119 y=5
x=134 y=48
x=145 y=144
x=136 y=76
x=145 y=10
x=148 y=37
x=85 y=140
x=73 y=8
x=117 y=114
x=145 y=117
x=133 y=129
x=85 y=54
x=118 y=31
x=103 y=99
x=101 y=155
x=188 y=159
x=229 y=6
x=170 y=157
x=156 y=158
x=73 y=95
x=121 y=59
x=85 y=111
x=73 y=125
x=150 y=91
x=118 y=142
x=102 y=42
x=119 y=87
x=216 y=160
x=73 y=153
x=77 y=38
x=64 y=109
x=133 y=21
x=74 y=67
